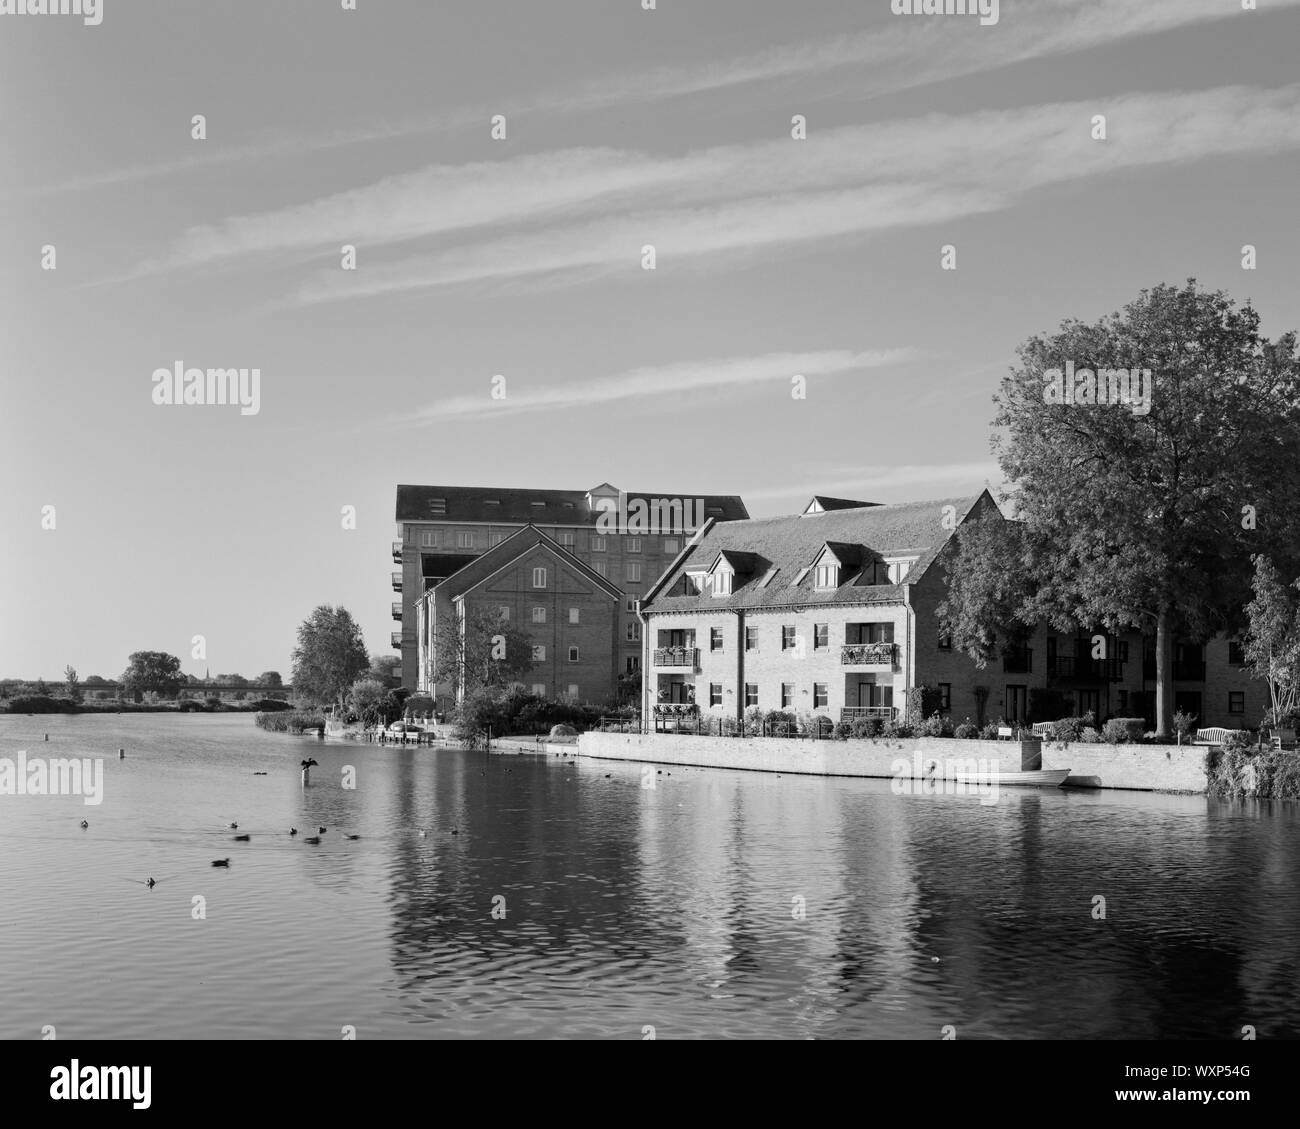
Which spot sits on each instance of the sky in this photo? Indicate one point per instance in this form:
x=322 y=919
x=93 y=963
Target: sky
x=522 y=257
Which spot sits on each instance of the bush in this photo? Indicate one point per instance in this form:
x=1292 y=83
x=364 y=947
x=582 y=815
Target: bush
x=990 y=731
x=1123 y=730
x=214 y=701
x=41 y=703
x=1071 y=728
x=271 y=705
x=780 y=723
x=188 y=705
x=1239 y=774
x=967 y=730
x=1184 y=725
x=1090 y=736
x=865 y=728
x=1236 y=741
x=936 y=725
x=290 y=721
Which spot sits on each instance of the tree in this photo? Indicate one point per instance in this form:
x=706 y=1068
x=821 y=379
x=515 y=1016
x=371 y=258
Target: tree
x=382 y=669
x=1272 y=639
x=489 y=654
x=270 y=678
x=154 y=671
x=70 y=681
x=329 y=656
x=367 y=698
x=232 y=680
x=1147 y=520
x=94 y=680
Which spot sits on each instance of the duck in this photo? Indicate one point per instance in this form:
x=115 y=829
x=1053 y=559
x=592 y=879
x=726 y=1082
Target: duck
x=293 y=831
x=259 y=774
x=313 y=839
x=607 y=775
x=310 y=762
x=352 y=837
x=84 y=825
x=151 y=883
x=455 y=830
x=320 y=831
x=242 y=838
x=220 y=862
x=234 y=827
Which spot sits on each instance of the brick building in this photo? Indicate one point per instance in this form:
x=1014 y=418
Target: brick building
x=443 y=529
x=834 y=612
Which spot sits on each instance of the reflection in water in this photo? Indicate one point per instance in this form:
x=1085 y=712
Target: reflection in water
x=716 y=904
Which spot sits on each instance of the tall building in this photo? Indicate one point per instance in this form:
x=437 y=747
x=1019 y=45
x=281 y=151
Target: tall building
x=627 y=539
x=834 y=611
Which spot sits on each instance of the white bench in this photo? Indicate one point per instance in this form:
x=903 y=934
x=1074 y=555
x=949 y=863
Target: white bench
x=1042 y=728
x=1283 y=739
x=1212 y=735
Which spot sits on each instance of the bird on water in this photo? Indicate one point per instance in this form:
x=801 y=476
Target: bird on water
x=84 y=825
x=293 y=831
x=242 y=838
x=220 y=862
x=310 y=762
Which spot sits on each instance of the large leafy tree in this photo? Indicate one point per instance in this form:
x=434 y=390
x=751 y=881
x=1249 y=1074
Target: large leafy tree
x=329 y=656
x=1272 y=638
x=152 y=670
x=1146 y=521
x=488 y=655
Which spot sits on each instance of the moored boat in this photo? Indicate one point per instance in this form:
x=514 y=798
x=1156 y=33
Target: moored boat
x=1032 y=778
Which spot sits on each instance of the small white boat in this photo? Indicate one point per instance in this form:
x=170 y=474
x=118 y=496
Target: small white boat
x=1033 y=778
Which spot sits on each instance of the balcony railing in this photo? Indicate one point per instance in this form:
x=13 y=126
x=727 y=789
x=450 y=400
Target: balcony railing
x=397 y=610
x=1018 y=662
x=397 y=552
x=849 y=713
x=677 y=656
x=397 y=582
x=868 y=654
x=1083 y=669
x=396 y=639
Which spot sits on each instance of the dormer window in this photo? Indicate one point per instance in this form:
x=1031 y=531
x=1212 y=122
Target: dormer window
x=827 y=576
x=696 y=582
x=722 y=582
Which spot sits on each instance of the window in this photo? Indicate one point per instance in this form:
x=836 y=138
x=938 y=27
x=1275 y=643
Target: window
x=538 y=505
x=491 y=501
x=696 y=582
x=633 y=663
x=465 y=539
x=634 y=631
x=787 y=694
x=539 y=689
x=751 y=638
x=828 y=576
x=945 y=696
x=573 y=654
x=821 y=636
x=539 y=578
x=898 y=571
x=1236 y=701
x=634 y=571
x=670 y=545
x=429 y=539
x=597 y=544
x=751 y=694
x=787 y=638
x=715 y=638
x=629 y=605
x=634 y=544
x=539 y=614
x=599 y=567
x=1236 y=653
x=504 y=609
x=573 y=615
x=539 y=653
x=566 y=539
x=573 y=689
x=715 y=693
x=722 y=583
x=820 y=698
x=945 y=641
x=495 y=539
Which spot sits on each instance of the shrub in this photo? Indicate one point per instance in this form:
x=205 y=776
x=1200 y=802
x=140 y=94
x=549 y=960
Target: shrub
x=1090 y=736
x=933 y=726
x=967 y=730
x=866 y=728
x=780 y=723
x=290 y=721
x=990 y=731
x=189 y=705
x=271 y=705
x=843 y=730
x=1237 y=740
x=1239 y=774
x=1123 y=730
x=1184 y=724
x=1071 y=728
x=41 y=703
x=214 y=701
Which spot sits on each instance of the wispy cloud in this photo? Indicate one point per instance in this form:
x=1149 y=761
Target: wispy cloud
x=861 y=482
x=896 y=54
x=653 y=382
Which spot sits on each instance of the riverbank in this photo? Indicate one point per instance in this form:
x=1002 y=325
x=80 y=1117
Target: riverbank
x=1149 y=768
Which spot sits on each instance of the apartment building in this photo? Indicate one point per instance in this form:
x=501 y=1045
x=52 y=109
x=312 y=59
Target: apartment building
x=626 y=538
x=834 y=611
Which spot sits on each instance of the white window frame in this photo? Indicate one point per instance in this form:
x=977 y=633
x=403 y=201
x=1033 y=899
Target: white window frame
x=575 y=654
x=539 y=574
x=465 y=539
x=573 y=615
x=539 y=613
x=634 y=572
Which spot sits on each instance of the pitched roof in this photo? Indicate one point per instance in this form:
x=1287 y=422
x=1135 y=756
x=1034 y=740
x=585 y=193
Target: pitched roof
x=791 y=543
x=516 y=506
x=512 y=548
x=825 y=502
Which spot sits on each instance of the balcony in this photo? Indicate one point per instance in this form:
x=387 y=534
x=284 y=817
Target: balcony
x=396 y=639
x=397 y=582
x=397 y=611
x=1081 y=668
x=1019 y=661
x=397 y=552
x=868 y=654
x=850 y=713
x=677 y=656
